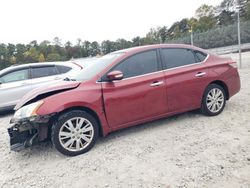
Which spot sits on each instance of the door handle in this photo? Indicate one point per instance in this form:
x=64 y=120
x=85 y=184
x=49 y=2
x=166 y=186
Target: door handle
x=156 y=83
x=200 y=74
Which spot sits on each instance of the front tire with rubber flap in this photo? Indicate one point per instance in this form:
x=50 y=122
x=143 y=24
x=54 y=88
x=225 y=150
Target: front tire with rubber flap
x=214 y=100
x=74 y=133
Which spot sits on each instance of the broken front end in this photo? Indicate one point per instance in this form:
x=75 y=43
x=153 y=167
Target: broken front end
x=28 y=128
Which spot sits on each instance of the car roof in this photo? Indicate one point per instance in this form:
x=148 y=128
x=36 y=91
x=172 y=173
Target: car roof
x=39 y=64
x=154 y=46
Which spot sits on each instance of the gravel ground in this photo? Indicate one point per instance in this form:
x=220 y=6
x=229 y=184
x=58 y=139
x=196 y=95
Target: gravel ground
x=188 y=150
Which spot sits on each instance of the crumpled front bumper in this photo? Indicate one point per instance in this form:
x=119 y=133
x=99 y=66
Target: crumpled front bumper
x=19 y=140
x=26 y=132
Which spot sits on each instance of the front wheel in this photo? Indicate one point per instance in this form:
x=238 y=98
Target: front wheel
x=214 y=100
x=74 y=133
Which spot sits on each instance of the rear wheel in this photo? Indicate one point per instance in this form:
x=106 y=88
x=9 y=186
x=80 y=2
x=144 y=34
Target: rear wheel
x=74 y=133
x=214 y=100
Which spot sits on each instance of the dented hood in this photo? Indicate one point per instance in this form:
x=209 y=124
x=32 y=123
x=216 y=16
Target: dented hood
x=60 y=86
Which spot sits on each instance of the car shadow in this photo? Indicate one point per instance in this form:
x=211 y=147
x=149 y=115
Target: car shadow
x=165 y=121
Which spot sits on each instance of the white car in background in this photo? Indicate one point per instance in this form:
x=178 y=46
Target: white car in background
x=16 y=81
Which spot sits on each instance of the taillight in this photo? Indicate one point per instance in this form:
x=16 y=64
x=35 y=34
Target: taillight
x=233 y=64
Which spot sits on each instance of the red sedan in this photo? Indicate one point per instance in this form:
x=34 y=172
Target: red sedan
x=122 y=89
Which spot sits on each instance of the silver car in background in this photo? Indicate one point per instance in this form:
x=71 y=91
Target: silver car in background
x=16 y=81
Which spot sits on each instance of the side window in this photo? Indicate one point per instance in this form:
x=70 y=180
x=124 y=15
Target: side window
x=200 y=56
x=63 y=69
x=15 y=76
x=37 y=72
x=176 y=57
x=139 y=64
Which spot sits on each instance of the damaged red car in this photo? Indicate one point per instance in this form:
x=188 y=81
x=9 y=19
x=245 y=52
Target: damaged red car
x=122 y=89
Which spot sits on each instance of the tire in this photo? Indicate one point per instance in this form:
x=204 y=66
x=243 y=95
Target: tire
x=213 y=100
x=74 y=133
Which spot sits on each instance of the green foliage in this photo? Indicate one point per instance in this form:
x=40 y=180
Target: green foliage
x=108 y=46
x=31 y=55
x=211 y=27
x=41 y=58
x=136 y=41
x=225 y=17
x=53 y=57
x=205 y=11
x=94 y=49
x=205 y=23
x=246 y=12
x=217 y=37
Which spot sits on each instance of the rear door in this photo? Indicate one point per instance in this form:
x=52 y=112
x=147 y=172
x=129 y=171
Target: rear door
x=140 y=95
x=14 y=85
x=186 y=77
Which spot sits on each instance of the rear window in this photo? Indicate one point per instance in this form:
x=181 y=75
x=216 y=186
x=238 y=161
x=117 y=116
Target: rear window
x=176 y=57
x=38 y=72
x=63 y=69
x=200 y=56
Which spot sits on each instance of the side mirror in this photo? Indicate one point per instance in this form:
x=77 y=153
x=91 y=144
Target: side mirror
x=115 y=75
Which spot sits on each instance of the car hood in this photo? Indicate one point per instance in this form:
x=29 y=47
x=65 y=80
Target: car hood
x=44 y=92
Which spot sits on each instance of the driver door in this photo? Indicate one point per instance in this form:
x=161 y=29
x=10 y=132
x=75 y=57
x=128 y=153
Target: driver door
x=14 y=85
x=140 y=95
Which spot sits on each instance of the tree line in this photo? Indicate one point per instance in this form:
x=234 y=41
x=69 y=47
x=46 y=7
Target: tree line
x=208 y=21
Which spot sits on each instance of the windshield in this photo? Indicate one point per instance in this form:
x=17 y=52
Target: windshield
x=96 y=66
x=84 y=62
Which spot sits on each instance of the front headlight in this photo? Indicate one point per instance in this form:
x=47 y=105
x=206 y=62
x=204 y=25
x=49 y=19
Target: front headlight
x=28 y=111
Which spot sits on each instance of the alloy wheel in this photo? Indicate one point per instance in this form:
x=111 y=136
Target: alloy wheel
x=215 y=100
x=76 y=134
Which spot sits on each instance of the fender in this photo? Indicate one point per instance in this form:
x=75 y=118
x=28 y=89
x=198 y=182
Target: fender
x=90 y=98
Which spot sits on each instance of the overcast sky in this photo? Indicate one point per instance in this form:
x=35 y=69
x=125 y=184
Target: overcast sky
x=25 y=20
